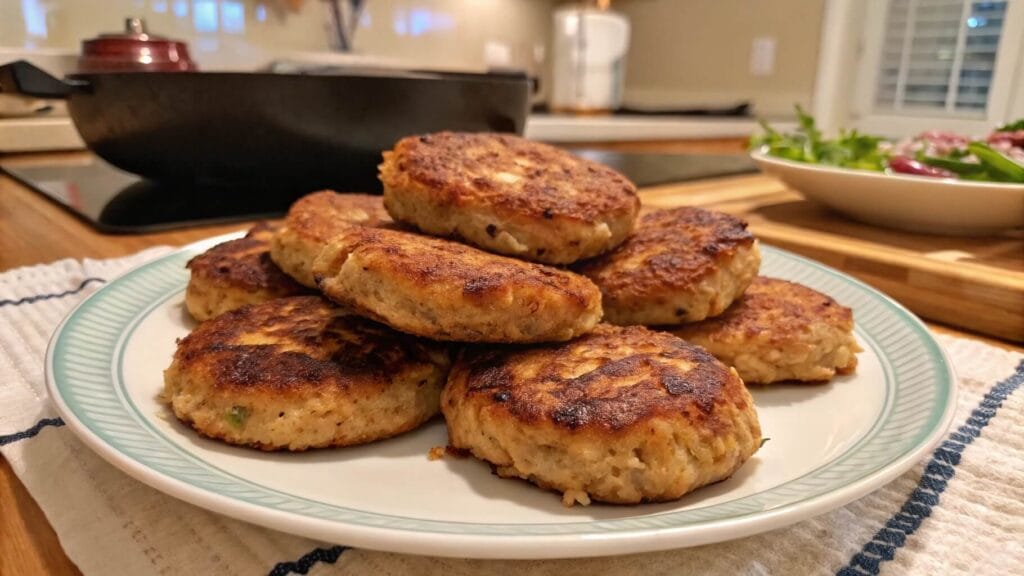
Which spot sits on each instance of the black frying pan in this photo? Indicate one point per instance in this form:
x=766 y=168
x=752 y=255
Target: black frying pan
x=238 y=128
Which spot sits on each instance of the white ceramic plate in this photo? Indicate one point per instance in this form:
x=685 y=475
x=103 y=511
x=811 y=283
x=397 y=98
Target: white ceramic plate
x=914 y=203
x=830 y=443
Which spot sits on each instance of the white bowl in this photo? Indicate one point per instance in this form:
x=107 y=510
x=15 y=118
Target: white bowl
x=915 y=203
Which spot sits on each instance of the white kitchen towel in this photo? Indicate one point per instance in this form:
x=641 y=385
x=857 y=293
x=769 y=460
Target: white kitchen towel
x=960 y=510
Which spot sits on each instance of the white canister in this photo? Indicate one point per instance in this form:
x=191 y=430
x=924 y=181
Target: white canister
x=589 y=58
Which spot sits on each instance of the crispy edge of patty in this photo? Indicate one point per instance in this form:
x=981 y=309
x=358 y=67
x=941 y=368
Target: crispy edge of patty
x=236 y=273
x=780 y=331
x=557 y=415
x=315 y=219
x=298 y=373
x=678 y=265
x=443 y=290
x=508 y=195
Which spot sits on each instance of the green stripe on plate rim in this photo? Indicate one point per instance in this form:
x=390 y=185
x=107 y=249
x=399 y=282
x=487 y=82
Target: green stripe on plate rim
x=88 y=360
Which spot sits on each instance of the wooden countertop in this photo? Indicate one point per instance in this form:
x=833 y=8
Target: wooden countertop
x=33 y=230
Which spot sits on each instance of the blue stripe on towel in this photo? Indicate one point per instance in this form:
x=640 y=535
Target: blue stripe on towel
x=38 y=297
x=35 y=428
x=30 y=432
x=937 y=474
x=304 y=564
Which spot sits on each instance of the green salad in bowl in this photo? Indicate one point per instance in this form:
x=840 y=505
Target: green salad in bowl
x=999 y=157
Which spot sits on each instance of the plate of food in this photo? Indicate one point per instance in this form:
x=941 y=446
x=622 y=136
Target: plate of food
x=631 y=383
x=937 y=182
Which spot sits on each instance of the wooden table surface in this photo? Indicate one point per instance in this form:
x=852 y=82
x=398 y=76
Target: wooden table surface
x=33 y=230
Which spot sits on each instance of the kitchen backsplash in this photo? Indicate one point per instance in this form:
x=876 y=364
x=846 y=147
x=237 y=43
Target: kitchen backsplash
x=683 y=53
x=462 y=34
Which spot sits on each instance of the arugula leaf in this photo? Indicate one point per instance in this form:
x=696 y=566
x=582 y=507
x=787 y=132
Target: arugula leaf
x=1000 y=168
x=955 y=166
x=812 y=142
x=1012 y=126
x=850 y=150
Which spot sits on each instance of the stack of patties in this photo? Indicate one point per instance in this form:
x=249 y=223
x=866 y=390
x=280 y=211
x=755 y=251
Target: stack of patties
x=275 y=366
x=509 y=253
x=542 y=391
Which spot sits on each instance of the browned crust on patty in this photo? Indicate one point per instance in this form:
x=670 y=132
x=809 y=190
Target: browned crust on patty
x=427 y=261
x=299 y=346
x=321 y=216
x=611 y=379
x=508 y=195
x=448 y=279
x=313 y=221
x=245 y=264
x=779 y=309
x=461 y=168
x=669 y=250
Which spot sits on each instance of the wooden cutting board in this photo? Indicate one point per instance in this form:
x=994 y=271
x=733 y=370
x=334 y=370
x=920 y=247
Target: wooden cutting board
x=976 y=283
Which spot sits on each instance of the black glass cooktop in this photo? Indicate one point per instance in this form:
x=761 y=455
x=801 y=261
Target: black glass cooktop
x=118 y=202
x=115 y=201
x=655 y=169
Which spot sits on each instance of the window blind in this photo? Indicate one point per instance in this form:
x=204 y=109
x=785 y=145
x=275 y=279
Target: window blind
x=938 y=56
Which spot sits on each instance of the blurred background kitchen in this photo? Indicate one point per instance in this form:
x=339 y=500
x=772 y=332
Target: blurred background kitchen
x=658 y=55
x=841 y=59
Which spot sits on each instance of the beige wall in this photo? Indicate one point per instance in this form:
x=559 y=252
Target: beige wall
x=697 y=52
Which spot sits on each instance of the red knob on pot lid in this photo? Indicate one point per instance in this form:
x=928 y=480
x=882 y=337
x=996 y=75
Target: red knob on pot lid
x=135 y=49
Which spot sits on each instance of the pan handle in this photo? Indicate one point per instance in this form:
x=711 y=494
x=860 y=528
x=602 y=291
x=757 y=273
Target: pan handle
x=25 y=79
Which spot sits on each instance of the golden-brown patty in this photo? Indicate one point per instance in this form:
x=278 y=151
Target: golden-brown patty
x=315 y=219
x=508 y=195
x=679 y=265
x=448 y=291
x=298 y=373
x=780 y=330
x=620 y=415
x=236 y=273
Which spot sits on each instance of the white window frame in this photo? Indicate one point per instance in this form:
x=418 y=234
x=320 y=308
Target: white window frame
x=848 y=63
